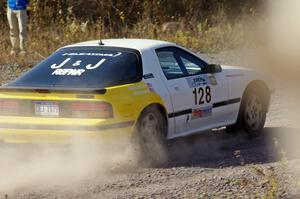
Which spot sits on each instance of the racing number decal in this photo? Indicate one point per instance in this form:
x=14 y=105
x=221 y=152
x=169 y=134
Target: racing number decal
x=202 y=95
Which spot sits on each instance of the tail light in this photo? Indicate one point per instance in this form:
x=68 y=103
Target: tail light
x=101 y=110
x=9 y=107
x=63 y=109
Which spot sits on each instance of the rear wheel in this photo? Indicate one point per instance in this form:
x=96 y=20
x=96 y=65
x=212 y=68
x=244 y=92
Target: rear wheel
x=151 y=137
x=252 y=114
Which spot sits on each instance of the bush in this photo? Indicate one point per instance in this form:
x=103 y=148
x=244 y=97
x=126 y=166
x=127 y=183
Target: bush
x=203 y=25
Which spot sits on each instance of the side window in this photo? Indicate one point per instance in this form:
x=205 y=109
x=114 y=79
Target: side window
x=169 y=64
x=192 y=65
x=178 y=63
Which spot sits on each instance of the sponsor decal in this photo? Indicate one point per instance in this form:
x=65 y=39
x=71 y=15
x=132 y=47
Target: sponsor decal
x=201 y=112
x=69 y=72
x=141 y=92
x=77 y=66
x=74 y=71
x=93 y=54
x=148 y=76
x=212 y=80
x=197 y=81
x=150 y=87
x=140 y=89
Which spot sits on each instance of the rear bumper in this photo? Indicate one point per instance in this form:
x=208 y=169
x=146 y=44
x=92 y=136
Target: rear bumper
x=24 y=133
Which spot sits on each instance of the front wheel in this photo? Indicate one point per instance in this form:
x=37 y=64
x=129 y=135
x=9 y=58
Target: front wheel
x=253 y=112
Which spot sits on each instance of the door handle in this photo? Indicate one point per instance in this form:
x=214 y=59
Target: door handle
x=176 y=87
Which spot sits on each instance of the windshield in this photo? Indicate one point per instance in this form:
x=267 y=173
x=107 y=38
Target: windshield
x=84 y=67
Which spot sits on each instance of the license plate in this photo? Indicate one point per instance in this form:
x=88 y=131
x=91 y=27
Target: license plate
x=46 y=109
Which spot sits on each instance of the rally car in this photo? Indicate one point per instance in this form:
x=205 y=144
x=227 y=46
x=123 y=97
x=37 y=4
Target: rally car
x=145 y=89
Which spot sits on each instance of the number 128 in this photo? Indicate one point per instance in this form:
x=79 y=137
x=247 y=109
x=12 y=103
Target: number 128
x=202 y=95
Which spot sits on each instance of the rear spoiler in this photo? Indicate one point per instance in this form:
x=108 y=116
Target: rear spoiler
x=58 y=90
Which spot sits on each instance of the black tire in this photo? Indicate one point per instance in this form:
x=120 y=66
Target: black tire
x=253 y=112
x=151 y=138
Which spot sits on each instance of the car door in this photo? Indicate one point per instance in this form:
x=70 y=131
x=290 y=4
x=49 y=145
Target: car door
x=196 y=96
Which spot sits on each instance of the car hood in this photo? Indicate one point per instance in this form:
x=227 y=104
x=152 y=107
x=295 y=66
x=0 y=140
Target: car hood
x=248 y=74
x=228 y=68
x=237 y=71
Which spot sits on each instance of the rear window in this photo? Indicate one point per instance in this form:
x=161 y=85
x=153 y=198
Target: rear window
x=84 y=67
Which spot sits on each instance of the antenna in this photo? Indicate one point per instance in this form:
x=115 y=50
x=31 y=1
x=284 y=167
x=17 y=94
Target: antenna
x=100 y=42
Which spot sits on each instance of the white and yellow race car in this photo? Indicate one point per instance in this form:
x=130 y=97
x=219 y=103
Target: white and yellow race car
x=153 y=90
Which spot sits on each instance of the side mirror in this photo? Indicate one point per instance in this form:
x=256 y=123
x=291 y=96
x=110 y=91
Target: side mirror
x=213 y=68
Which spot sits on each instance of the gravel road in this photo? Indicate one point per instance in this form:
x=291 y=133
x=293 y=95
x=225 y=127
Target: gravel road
x=214 y=164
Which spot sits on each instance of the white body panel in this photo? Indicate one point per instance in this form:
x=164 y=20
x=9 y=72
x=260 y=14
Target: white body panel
x=178 y=96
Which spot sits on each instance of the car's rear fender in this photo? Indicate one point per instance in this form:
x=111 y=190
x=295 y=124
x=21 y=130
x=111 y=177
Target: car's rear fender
x=127 y=103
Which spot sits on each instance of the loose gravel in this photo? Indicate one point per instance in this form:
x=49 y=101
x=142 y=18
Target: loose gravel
x=215 y=164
